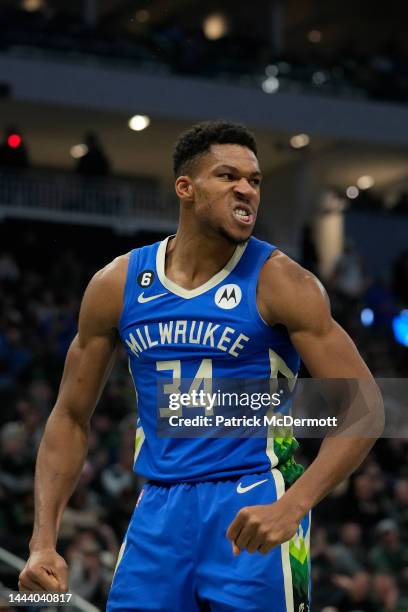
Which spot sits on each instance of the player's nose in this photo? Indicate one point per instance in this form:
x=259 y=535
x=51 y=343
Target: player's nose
x=244 y=187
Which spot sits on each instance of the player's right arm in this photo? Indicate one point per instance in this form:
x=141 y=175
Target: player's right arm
x=64 y=444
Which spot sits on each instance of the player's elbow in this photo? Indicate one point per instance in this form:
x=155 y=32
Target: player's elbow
x=374 y=422
x=69 y=418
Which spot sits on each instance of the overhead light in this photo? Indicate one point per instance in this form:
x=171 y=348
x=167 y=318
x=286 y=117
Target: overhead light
x=32 y=5
x=314 y=36
x=400 y=327
x=139 y=122
x=352 y=192
x=271 y=70
x=78 y=151
x=215 y=26
x=142 y=16
x=298 y=141
x=367 y=317
x=319 y=77
x=270 y=85
x=332 y=202
x=365 y=182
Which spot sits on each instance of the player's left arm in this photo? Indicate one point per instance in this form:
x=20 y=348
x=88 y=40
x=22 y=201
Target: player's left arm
x=300 y=303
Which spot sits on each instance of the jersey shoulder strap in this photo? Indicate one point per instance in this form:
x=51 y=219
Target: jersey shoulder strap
x=140 y=275
x=256 y=254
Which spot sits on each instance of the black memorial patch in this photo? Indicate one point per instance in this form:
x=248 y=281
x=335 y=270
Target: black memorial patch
x=146 y=278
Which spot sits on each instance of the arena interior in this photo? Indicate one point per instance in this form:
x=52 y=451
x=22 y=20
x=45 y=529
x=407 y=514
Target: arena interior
x=93 y=94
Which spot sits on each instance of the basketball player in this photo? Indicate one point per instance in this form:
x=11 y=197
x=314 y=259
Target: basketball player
x=214 y=528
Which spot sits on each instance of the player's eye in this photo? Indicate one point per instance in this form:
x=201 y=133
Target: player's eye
x=256 y=182
x=227 y=175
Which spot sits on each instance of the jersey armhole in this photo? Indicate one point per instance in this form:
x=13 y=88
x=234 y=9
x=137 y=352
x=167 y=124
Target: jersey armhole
x=130 y=289
x=253 y=286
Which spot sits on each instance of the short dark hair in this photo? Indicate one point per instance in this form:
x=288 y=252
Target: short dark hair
x=198 y=139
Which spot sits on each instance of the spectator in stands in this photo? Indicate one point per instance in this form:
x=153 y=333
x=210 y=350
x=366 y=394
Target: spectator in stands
x=9 y=270
x=365 y=506
x=348 y=554
x=349 y=276
x=387 y=594
x=322 y=568
x=118 y=478
x=15 y=461
x=41 y=396
x=93 y=553
x=389 y=555
x=15 y=356
x=348 y=283
x=354 y=594
x=372 y=469
x=391 y=454
x=84 y=509
x=32 y=421
x=398 y=506
x=95 y=161
x=87 y=578
x=13 y=151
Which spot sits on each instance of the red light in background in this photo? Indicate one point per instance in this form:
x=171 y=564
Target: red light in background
x=14 y=141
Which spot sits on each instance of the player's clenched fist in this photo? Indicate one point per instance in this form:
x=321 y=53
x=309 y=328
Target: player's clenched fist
x=45 y=570
x=260 y=528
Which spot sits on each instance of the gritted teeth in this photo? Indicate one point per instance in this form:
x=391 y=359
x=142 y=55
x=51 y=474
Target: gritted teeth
x=241 y=212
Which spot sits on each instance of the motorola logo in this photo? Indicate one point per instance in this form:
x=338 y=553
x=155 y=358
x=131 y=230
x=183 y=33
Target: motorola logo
x=228 y=296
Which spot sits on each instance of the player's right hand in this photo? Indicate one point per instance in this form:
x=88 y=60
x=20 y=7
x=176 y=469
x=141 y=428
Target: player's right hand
x=45 y=570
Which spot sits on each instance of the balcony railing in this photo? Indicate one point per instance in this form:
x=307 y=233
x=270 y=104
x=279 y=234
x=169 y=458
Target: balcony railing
x=124 y=205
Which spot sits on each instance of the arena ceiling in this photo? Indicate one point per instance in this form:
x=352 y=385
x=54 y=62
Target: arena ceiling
x=363 y=26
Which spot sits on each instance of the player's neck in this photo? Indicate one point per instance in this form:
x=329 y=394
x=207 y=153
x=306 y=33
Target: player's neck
x=192 y=259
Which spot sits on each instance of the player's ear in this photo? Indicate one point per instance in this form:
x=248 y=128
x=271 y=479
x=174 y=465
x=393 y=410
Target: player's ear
x=184 y=188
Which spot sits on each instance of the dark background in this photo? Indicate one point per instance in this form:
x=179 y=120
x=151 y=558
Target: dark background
x=73 y=73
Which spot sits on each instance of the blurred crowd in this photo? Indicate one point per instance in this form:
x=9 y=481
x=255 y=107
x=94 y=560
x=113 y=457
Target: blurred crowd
x=242 y=55
x=37 y=323
x=360 y=535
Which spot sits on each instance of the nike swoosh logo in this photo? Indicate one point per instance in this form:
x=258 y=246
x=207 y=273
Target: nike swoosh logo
x=241 y=489
x=142 y=299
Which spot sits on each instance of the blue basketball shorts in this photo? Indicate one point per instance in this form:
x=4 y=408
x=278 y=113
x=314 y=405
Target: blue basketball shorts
x=176 y=557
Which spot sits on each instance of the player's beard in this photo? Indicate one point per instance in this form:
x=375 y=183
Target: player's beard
x=232 y=239
x=218 y=229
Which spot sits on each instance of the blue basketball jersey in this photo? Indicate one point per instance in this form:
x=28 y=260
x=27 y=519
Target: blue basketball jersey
x=212 y=332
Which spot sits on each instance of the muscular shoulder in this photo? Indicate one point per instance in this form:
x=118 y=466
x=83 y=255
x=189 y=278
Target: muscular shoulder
x=291 y=295
x=112 y=277
x=103 y=299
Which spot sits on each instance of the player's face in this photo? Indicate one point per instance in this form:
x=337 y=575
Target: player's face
x=227 y=191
